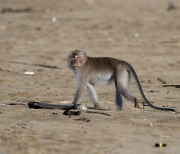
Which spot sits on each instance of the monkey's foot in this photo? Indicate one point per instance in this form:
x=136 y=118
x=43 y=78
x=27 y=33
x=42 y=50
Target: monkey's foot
x=139 y=104
x=118 y=108
x=96 y=107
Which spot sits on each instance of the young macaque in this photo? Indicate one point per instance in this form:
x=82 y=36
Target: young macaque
x=90 y=71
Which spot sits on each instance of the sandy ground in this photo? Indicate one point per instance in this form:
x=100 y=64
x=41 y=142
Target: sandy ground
x=141 y=32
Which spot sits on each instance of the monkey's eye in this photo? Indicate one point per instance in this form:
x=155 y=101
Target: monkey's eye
x=76 y=57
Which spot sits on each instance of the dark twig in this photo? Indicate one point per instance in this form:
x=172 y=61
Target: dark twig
x=97 y=112
x=172 y=85
x=161 y=80
x=16 y=10
x=39 y=65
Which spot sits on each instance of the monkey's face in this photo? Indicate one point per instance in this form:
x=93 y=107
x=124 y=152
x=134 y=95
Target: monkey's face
x=75 y=62
x=76 y=59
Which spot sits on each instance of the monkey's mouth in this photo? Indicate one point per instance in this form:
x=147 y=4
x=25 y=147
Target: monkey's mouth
x=75 y=66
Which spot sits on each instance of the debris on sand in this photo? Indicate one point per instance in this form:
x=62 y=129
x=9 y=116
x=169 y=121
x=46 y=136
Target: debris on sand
x=70 y=113
x=171 y=6
x=16 y=10
x=5 y=69
x=83 y=119
x=162 y=80
x=160 y=145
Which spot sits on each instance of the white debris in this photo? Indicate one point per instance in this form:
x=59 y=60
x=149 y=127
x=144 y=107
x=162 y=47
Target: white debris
x=29 y=73
x=151 y=124
x=136 y=35
x=54 y=19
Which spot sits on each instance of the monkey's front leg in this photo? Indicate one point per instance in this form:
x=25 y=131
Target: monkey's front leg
x=93 y=96
x=81 y=84
x=77 y=96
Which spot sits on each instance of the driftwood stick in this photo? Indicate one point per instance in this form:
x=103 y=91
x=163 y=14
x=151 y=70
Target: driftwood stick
x=67 y=107
x=42 y=105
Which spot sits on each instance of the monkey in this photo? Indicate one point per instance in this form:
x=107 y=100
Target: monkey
x=91 y=71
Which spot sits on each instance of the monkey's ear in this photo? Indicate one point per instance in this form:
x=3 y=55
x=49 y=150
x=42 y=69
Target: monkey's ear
x=83 y=53
x=70 y=53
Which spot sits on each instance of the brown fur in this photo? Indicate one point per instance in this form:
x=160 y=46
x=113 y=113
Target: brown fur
x=90 y=71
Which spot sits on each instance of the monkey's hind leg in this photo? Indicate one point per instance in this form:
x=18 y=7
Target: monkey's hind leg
x=93 y=96
x=124 y=84
x=118 y=100
x=131 y=98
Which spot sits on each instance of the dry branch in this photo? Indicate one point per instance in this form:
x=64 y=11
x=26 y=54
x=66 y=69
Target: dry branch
x=67 y=107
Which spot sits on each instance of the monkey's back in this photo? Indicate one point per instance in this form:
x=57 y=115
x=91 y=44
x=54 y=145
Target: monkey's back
x=103 y=63
x=102 y=69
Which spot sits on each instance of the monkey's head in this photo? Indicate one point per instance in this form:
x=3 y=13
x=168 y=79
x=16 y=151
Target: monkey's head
x=76 y=59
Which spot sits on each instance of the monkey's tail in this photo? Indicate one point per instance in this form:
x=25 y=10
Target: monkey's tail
x=131 y=69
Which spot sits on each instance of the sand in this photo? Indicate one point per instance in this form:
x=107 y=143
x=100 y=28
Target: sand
x=37 y=33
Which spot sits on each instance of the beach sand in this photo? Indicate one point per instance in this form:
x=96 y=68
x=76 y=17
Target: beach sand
x=37 y=34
